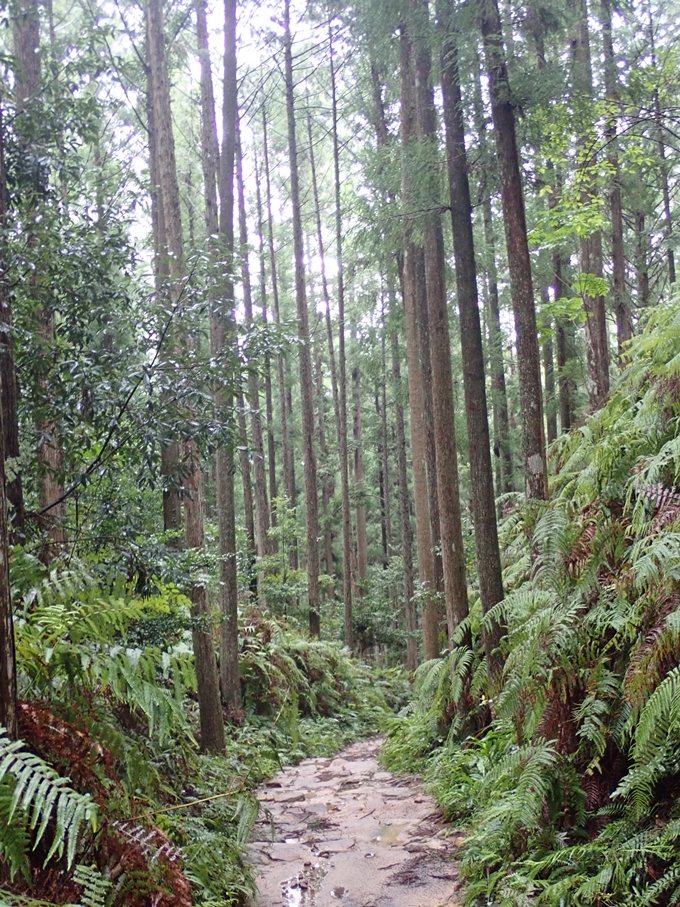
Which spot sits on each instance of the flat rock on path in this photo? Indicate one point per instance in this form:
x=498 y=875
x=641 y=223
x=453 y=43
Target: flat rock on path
x=341 y=832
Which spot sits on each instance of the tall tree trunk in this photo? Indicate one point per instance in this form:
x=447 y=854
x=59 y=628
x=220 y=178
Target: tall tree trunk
x=8 y=378
x=423 y=327
x=624 y=321
x=221 y=329
x=381 y=409
x=641 y=261
x=474 y=381
x=340 y=425
x=404 y=510
x=453 y=551
x=359 y=485
x=342 y=367
x=328 y=485
x=259 y=473
x=52 y=509
x=549 y=374
x=246 y=479
x=287 y=448
x=597 y=345
x=514 y=218
x=304 y=353
x=8 y=673
x=269 y=406
x=210 y=709
x=426 y=569
x=661 y=145
x=499 y=394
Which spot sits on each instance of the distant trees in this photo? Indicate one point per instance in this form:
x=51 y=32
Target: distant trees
x=163 y=405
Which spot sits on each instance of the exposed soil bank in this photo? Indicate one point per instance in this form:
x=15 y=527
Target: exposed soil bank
x=342 y=832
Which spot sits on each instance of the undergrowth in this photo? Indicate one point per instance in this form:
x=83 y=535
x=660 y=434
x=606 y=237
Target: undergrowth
x=568 y=787
x=107 y=800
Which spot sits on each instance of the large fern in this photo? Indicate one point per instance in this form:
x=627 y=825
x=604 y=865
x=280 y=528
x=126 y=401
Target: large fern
x=45 y=800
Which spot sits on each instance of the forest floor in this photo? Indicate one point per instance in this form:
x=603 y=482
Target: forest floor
x=343 y=832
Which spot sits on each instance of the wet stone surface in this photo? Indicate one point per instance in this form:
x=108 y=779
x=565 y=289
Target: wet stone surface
x=344 y=831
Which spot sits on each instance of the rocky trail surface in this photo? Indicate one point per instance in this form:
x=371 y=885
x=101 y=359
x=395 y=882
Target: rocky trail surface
x=342 y=832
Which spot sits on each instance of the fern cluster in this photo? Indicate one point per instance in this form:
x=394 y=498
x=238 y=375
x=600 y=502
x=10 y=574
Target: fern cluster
x=108 y=701
x=569 y=795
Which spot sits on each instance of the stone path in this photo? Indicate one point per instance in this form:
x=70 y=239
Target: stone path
x=341 y=832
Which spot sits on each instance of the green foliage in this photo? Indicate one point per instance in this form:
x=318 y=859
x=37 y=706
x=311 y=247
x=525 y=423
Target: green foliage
x=569 y=794
x=45 y=800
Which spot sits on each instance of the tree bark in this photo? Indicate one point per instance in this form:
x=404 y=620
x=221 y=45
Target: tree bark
x=8 y=673
x=304 y=353
x=221 y=330
x=499 y=394
x=359 y=487
x=641 y=262
x=489 y=571
x=288 y=461
x=246 y=479
x=381 y=409
x=210 y=709
x=342 y=366
x=404 y=512
x=624 y=321
x=661 y=145
x=519 y=263
x=8 y=377
x=549 y=375
x=27 y=73
x=340 y=425
x=426 y=571
x=597 y=345
x=453 y=552
x=259 y=474
x=269 y=406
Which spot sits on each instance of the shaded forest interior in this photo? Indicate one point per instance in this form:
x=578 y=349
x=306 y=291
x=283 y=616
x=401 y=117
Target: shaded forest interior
x=339 y=361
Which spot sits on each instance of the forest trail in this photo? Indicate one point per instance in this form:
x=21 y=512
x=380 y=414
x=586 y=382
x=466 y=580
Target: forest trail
x=343 y=832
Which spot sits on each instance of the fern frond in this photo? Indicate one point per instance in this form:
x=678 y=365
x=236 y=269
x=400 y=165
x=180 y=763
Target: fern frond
x=41 y=795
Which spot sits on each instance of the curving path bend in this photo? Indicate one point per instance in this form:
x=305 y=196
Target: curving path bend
x=341 y=832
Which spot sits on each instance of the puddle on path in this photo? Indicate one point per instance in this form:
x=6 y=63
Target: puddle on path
x=341 y=831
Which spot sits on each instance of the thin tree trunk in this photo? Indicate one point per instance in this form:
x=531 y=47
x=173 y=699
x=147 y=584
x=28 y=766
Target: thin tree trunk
x=304 y=354
x=342 y=366
x=8 y=672
x=259 y=473
x=327 y=486
x=288 y=461
x=8 y=378
x=641 y=263
x=453 y=552
x=269 y=406
x=597 y=346
x=514 y=218
x=210 y=710
x=221 y=331
x=499 y=394
x=404 y=512
x=489 y=571
x=246 y=476
x=359 y=484
x=624 y=321
x=340 y=425
x=423 y=326
x=549 y=374
x=426 y=569
x=27 y=73
x=668 y=226
x=381 y=408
